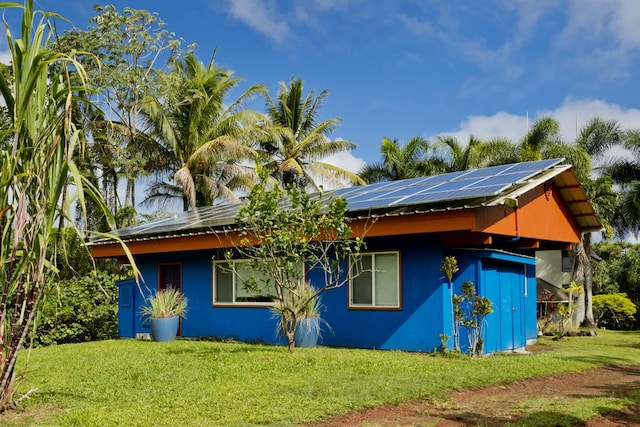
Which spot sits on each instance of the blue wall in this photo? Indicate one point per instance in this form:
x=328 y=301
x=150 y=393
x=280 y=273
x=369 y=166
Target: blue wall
x=425 y=300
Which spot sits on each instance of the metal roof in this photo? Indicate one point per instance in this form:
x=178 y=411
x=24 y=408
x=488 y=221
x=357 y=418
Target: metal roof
x=458 y=190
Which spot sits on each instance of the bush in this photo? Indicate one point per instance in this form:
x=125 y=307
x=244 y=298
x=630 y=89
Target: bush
x=79 y=309
x=614 y=311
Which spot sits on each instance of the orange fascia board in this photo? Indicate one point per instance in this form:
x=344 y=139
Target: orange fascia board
x=415 y=223
x=540 y=215
x=166 y=244
x=429 y=222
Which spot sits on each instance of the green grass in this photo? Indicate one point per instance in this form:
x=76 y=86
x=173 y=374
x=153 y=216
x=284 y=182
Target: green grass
x=204 y=383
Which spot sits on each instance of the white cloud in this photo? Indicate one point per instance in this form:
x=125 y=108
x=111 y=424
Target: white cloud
x=345 y=161
x=572 y=115
x=500 y=124
x=262 y=17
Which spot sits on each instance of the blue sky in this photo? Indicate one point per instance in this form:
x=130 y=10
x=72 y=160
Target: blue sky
x=403 y=68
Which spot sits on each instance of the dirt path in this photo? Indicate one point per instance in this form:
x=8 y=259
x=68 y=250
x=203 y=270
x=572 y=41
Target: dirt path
x=497 y=405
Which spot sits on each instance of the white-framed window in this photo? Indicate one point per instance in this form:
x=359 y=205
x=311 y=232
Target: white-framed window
x=375 y=281
x=236 y=282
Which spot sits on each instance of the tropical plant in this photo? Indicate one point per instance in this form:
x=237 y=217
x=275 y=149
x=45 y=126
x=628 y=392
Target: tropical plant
x=122 y=53
x=472 y=316
x=78 y=309
x=614 y=311
x=626 y=173
x=36 y=168
x=400 y=161
x=204 y=137
x=449 y=267
x=294 y=143
x=477 y=153
x=597 y=136
x=164 y=303
x=282 y=230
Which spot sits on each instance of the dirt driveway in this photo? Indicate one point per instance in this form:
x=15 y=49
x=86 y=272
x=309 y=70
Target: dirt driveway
x=497 y=405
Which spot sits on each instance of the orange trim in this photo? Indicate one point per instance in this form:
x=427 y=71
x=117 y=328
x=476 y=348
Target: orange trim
x=538 y=217
x=429 y=222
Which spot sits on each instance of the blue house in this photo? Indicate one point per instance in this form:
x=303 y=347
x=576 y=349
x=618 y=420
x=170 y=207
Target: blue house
x=492 y=220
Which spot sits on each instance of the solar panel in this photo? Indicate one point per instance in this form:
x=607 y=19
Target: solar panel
x=452 y=186
x=456 y=186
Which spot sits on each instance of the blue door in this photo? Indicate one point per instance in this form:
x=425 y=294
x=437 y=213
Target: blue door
x=503 y=284
x=126 y=310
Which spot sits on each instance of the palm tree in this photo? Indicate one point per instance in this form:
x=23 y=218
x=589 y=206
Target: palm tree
x=476 y=153
x=626 y=173
x=594 y=139
x=294 y=143
x=400 y=161
x=202 y=140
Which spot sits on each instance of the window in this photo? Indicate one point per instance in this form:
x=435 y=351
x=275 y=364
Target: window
x=235 y=282
x=376 y=281
x=567 y=264
x=170 y=276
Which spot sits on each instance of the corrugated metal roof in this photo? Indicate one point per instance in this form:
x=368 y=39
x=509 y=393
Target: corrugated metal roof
x=452 y=191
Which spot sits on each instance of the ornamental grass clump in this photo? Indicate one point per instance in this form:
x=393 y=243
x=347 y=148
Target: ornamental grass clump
x=165 y=303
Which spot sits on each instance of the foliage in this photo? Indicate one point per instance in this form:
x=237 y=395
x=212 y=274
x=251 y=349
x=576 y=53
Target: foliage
x=36 y=168
x=471 y=317
x=614 y=311
x=619 y=270
x=281 y=230
x=244 y=384
x=122 y=53
x=294 y=143
x=165 y=303
x=449 y=267
x=400 y=161
x=203 y=136
x=566 y=309
x=79 y=309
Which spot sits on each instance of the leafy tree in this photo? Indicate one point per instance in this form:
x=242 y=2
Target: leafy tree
x=35 y=168
x=400 y=161
x=283 y=231
x=619 y=270
x=294 y=143
x=202 y=136
x=626 y=173
x=614 y=311
x=121 y=53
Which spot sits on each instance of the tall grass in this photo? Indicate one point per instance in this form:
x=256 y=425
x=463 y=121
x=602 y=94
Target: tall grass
x=211 y=383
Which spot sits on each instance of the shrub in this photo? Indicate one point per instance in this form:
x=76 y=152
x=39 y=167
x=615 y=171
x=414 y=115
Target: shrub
x=79 y=309
x=614 y=311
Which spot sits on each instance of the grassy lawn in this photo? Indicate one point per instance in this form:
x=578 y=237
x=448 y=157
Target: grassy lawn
x=204 y=383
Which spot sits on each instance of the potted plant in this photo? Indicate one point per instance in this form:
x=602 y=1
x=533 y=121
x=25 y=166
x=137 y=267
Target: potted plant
x=164 y=309
x=305 y=303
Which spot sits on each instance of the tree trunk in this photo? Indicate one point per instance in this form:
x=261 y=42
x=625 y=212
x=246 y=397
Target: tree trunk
x=588 y=280
x=584 y=275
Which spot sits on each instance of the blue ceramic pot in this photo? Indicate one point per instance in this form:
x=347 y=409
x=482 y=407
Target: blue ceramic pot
x=307 y=332
x=164 y=329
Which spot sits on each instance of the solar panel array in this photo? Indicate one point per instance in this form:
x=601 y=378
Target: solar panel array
x=470 y=184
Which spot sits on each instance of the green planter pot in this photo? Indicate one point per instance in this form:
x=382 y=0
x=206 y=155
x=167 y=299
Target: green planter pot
x=164 y=329
x=307 y=332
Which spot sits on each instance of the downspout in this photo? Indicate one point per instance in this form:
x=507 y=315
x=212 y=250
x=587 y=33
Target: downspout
x=513 y=203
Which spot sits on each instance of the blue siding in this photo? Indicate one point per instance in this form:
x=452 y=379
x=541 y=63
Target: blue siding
x=425 y=299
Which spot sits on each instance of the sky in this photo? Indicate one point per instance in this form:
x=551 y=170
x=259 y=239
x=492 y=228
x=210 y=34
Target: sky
x=405 y=68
